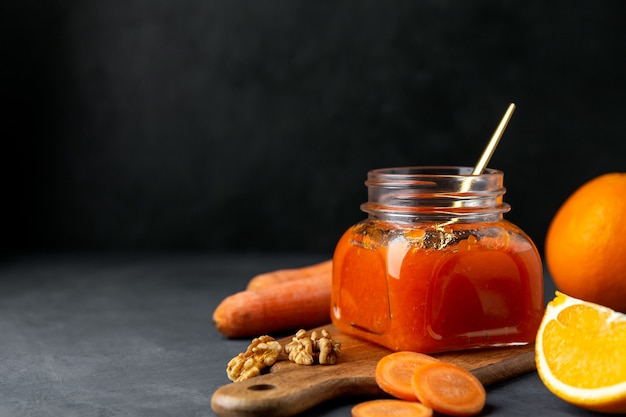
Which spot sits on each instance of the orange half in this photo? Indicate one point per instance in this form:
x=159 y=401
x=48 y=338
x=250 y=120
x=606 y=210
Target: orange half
x=581 y=354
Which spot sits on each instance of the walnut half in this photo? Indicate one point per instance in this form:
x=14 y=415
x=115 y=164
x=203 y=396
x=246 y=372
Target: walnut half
x=262 y=352
x=300 y=349
x=327 y=347
x=305 y=350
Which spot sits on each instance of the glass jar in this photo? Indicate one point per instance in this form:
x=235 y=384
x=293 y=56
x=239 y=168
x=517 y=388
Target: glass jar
x=435 y=266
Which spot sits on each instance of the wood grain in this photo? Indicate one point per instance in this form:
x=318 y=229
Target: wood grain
x=290 y=389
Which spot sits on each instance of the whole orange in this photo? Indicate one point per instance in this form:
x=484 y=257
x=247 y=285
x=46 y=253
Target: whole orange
x=586 y=243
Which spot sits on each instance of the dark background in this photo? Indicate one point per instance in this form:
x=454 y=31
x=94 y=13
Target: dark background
x=135 y=125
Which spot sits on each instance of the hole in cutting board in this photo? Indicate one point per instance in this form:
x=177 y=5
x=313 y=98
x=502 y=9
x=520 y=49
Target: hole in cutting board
x=261 y=387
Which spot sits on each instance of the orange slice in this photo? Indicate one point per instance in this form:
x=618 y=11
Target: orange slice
x=581 y=354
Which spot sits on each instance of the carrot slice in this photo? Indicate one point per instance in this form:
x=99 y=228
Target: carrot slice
x=394 y=373
x=449 y=389
x=389 y=407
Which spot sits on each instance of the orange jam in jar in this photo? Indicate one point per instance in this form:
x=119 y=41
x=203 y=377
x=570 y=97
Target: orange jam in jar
x=435 y=266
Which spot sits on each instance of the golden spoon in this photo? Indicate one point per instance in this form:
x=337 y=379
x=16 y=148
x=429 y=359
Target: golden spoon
x=488 y=152
x=491 y=146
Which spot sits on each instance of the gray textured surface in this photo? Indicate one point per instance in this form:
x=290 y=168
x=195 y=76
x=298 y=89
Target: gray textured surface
x=132 y=336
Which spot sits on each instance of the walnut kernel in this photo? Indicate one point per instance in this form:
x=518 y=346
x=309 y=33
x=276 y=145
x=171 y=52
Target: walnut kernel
x=300 y=349
x=328 y=348
x=262 y=352
x=305 y=350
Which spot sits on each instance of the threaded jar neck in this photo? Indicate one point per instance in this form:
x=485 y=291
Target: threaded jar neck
x=438 y=193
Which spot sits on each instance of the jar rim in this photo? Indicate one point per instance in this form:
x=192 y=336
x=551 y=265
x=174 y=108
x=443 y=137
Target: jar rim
x=438 y=171
x=435 y=191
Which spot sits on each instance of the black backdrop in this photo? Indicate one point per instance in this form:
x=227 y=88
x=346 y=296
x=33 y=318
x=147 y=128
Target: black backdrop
x=250 y=125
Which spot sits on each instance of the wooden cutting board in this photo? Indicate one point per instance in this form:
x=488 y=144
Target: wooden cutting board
x=290 y=389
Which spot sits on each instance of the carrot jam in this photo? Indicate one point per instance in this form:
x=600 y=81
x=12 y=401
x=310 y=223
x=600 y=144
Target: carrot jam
x=432 y=288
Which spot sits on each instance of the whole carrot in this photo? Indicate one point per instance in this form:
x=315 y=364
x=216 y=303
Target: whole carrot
x=303 y=303
x=284 y=275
